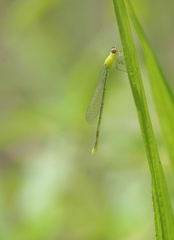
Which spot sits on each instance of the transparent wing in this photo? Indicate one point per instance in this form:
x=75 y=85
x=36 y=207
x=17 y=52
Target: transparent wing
x=120 y=58
x=120 y=63
x=96 y=101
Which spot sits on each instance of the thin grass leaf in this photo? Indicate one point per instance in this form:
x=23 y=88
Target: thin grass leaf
x=161 y=201
x=163 y=97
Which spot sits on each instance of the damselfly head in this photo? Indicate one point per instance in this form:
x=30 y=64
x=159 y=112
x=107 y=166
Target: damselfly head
x=113 y=49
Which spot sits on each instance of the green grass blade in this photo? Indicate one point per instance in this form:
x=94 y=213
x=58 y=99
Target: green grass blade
x=163 y=97
x=161 y=201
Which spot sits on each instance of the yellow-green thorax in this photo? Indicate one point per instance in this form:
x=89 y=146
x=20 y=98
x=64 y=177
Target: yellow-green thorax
x=111 y=58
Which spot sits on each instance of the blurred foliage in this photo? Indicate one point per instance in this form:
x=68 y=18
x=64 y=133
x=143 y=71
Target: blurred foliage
x=50 y=185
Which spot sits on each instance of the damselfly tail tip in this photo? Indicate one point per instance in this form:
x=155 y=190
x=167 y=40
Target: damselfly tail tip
x=94 y=150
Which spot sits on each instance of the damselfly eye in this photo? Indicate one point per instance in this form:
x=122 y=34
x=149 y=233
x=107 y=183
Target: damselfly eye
x=113 y=50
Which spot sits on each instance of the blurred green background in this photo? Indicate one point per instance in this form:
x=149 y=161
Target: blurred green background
x=51 y=187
